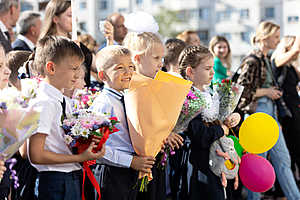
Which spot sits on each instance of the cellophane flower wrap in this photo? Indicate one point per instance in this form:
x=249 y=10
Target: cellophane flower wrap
x=85 y=97
x=229 y=95
x=194 y=103
x=18 y=122
x=80 y=127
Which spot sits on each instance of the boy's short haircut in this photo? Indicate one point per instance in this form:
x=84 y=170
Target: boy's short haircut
x=15 y=60
x=55 y=49
x=174 y=47
x=141 y=43
x=108 y=56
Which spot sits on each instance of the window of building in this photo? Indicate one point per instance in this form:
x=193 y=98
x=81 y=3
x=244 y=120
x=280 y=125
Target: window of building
x=270 y=12
x=203 y=35
x=122 y=10
x=82 y=5
x=226 y=35
x=26 y=6
x=224 y=15
x=193 y=14
x=103 y=5
x=245 y=36
x=293 y=19
x=138 y=2
x=204 y=13
x=82 y=26
x=244 y=13
x=181 y=15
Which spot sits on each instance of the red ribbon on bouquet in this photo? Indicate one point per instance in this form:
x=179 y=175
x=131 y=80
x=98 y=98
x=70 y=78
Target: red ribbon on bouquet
x=86 y=169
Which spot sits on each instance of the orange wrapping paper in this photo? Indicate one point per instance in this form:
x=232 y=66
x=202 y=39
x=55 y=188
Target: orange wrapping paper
x=153 y=107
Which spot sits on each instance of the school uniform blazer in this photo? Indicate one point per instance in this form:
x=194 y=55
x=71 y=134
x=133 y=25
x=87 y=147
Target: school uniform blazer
x=20 y=45
x=5 y=43
x=202 y=137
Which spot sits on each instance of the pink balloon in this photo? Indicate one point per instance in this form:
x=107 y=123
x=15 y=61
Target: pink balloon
x=256 y=173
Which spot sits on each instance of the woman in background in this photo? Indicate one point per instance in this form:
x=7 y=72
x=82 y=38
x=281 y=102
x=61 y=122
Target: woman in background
x=220 y=48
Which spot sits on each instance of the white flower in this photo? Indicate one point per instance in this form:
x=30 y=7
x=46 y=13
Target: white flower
x=68 y=139
x=10 y=96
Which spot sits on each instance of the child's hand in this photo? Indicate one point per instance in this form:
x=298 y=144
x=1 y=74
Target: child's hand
x=174 y=140
x=89 y=155
x=2 y=169
x=233 y=120
x=142 y=163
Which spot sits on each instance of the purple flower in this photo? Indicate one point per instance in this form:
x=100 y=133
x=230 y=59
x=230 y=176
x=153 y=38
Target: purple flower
x=191 y=96
x=3 y=105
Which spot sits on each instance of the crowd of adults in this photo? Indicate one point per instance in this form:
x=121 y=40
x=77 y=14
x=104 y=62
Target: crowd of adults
x=270 y=75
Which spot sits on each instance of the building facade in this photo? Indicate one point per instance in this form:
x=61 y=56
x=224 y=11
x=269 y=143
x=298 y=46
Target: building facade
x=234 y=19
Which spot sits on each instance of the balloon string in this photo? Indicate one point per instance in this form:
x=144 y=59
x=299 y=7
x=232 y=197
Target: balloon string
x=233 y=133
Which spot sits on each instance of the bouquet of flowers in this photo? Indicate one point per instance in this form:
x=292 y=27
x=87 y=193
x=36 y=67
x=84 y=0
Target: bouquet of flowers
x=85 y=98
x=194 y=103
x=18 y=122
x=229 y=95
x=80 y=127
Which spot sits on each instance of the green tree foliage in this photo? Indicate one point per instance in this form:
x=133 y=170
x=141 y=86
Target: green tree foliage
x=167 y=21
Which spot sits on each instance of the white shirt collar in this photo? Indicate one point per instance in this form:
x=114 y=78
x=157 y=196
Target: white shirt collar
x=113 y=92
x=27 y=41
x=3 y=27
x=51 y=91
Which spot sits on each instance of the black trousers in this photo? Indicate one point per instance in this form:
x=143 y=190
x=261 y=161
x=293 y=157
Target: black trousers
x=291 y=132
x=118 y=183
x=210 y=189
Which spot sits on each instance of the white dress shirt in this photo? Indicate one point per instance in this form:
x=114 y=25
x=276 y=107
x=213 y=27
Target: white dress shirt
x=3 y=29
x=49 y=99
x=118 y=150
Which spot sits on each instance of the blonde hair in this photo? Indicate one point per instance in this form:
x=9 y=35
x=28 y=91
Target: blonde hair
x=108 y=56
x=264 y=30
x=214 y=41
x=54 y=8
x=140 y=43
x=284 y=46
x=186 y=36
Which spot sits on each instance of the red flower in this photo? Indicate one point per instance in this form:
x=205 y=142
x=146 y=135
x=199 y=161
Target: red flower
x=223 y=81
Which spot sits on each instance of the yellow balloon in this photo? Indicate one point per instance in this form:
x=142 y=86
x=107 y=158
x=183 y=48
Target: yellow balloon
x=259 y=133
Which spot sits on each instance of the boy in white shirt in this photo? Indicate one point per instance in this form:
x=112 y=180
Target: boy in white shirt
x=59 y=60
x=119 y=174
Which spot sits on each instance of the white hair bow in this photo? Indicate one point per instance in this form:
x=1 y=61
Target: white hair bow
x=141 y=22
